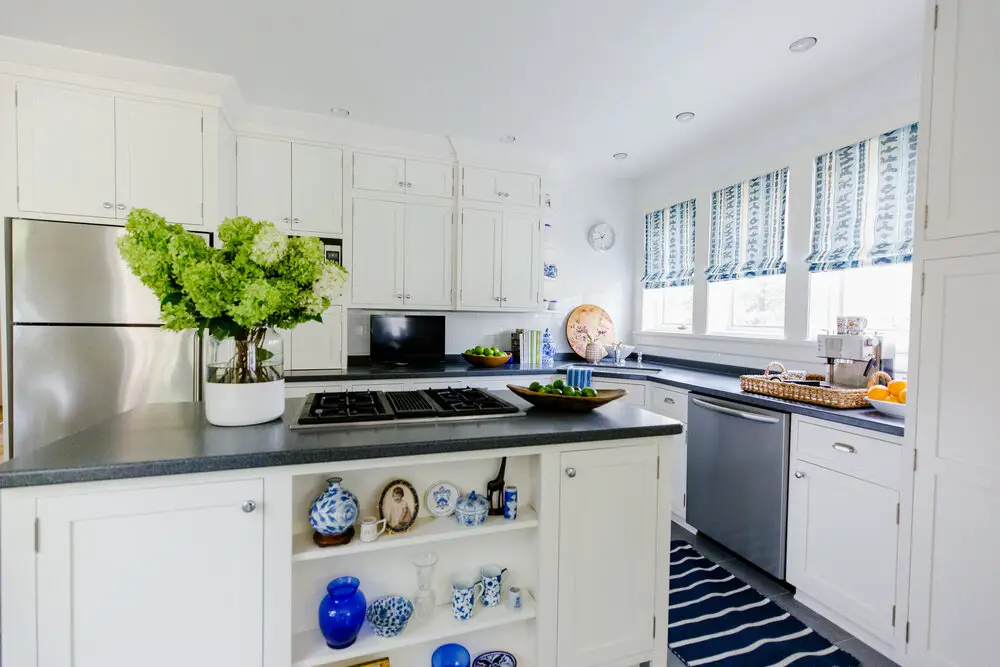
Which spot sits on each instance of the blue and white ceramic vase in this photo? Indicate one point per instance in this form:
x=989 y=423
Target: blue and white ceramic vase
x=342 y=612
x=335 y=510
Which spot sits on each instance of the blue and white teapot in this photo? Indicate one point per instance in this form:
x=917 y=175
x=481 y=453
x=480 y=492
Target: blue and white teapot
x=335 y=510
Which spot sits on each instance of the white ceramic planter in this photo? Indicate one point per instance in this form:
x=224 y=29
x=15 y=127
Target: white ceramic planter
x=244 y=404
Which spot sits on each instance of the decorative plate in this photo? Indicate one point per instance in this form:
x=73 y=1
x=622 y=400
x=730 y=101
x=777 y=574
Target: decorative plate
x=495 y=659
x=441 y=498
x=595 y=319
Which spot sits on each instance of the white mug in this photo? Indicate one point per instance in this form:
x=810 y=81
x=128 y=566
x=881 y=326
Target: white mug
x=371 y=528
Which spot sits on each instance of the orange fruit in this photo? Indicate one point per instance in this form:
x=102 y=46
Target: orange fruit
x=891 y=399
x=897 y=386
x=902 y=397
x=878 y=393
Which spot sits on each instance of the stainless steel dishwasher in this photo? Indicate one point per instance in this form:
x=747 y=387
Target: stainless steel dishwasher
x=737 y=478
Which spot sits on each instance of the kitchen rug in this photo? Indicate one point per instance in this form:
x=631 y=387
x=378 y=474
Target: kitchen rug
x=720 y=621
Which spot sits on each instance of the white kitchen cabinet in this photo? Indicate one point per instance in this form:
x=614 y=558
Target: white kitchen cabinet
x=636 y=390
x=298 y=187
x=65 y=150
x=384 y=173
x=317 y=188
x=317 y=345
x=600 y=572
x=120 y=571
x=501 y=261
x=673 y=403
x=962 y=132
x=501 y=187
x=402 y=255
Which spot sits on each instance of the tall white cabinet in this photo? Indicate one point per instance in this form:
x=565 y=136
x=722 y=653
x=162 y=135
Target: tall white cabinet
x=500 y=260
x=953 y=420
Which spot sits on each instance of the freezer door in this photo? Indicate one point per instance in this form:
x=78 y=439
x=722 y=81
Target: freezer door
x=69 y=378
x=68 y=273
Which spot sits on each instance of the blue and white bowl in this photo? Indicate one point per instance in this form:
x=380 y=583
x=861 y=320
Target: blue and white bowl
x=388 y=615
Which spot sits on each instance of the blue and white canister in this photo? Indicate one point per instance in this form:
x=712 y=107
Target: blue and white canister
x=335 y=510
x=579 y=377
x=510 y=502
x=514 y=598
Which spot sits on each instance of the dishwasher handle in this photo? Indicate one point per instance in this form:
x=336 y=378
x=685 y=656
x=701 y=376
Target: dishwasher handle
x=735 y=413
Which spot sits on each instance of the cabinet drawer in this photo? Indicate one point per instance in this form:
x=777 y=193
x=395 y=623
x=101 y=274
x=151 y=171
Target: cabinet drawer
x=669 y=403
x=870 y=459
x=636 y=392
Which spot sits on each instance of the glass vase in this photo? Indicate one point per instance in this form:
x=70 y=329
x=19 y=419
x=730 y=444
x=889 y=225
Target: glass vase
x=423 y=600
x=244 y=378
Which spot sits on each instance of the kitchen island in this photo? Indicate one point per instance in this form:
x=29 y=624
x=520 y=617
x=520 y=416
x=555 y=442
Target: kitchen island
x=155 y=538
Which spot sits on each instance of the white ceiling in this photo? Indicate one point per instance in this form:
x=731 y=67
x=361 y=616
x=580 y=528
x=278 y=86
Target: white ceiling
x=578 y=78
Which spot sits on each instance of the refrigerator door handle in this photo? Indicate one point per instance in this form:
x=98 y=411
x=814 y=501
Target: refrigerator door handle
x=735 y=413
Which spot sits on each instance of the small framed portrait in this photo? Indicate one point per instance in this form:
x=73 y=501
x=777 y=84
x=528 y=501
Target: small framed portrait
x=381 y=662
x=398 y=505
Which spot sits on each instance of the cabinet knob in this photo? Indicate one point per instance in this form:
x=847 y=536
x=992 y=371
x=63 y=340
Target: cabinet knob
x=399 y=296
x=295 y=221
x=409 y=185
x=496 y=298
x=401 y=184
x=120 y=207
x=799 y=474
x=285 y=220
x=571 y=472
x=107 y=204
x=407 y=296
x=503 y=299
x=249 y=506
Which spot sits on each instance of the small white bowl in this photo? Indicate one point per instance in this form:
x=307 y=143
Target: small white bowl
x=888 y=408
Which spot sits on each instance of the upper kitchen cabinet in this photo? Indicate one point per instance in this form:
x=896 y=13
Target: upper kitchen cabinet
x=501 y=187
x=383 y=173
x=963 y=133
x=500 y=260
x=298 y=187
x=317 y=345
x=91 y=154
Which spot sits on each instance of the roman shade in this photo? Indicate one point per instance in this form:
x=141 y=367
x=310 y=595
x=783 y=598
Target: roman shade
x=670 y=246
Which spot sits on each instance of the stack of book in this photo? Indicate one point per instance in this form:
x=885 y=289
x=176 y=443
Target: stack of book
x=527 y=346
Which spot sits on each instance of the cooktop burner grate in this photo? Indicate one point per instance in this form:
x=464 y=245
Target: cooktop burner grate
x=372 y=406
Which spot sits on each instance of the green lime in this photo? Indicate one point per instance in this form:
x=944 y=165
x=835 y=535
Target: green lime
x=478 y=349
x=498 y=353
x=588 y=391
x=569 y=391
x=535 y=386
x=556 y=390
x=558 y=384
x=544 y=390
x=470 y=351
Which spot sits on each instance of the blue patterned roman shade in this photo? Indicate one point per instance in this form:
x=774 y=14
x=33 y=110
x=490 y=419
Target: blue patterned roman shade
x=865 y=202
x=670 y=246
x=748 y=228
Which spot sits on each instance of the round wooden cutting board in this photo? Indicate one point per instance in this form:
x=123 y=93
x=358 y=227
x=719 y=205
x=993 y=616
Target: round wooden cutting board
x=594 y=318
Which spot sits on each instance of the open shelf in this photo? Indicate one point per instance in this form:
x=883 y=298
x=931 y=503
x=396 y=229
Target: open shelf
x=426 y=530
x=310 y=650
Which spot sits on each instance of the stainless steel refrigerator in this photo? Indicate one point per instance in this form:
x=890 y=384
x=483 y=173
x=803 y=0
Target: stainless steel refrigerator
x=86 y=340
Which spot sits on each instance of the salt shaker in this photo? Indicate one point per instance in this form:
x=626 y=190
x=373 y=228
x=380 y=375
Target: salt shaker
x=638 y=359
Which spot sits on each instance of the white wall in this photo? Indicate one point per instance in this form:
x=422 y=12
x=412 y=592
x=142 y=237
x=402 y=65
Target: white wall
x=585 y=276
x=878 y=102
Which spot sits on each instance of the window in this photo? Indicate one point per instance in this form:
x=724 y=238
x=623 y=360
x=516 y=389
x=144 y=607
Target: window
x=862 y=240
x=668 y=296
x=746 y=268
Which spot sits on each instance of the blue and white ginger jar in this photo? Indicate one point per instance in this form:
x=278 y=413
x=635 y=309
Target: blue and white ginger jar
x=335 y=510
x=472 y=509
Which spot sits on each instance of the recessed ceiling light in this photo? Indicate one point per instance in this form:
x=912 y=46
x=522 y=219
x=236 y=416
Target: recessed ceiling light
x=620 y=156
x=685 y=116
x=340 y=112
x=803 y=44
x=509 y=139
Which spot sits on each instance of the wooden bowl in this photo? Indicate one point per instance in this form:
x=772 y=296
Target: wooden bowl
x=482 y=361
x=560 y=403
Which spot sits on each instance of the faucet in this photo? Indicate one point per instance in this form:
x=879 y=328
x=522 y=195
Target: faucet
x=621 y=352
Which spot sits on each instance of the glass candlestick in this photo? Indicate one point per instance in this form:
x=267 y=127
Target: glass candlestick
x=423 y=599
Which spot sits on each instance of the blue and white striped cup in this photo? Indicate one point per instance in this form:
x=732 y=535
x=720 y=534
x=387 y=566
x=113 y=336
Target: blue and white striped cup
x=579 y=377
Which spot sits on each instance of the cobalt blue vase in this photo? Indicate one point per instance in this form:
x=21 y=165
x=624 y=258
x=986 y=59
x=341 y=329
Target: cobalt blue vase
x=342 y=612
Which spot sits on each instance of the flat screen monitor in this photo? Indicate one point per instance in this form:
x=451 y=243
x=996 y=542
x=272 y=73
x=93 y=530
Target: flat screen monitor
x=407 y=339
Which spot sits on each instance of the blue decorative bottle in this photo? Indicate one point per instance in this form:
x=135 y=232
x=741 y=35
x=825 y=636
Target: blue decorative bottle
x=342 y=612
x=548 y=350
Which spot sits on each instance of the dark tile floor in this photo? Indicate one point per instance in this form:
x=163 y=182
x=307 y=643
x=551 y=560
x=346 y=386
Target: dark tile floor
x=781 y=595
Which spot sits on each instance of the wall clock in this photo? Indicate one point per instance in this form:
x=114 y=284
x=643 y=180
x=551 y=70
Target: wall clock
x=601 y=236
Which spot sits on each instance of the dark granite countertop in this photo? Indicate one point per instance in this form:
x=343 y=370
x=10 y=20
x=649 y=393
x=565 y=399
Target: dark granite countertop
x=174 y=439
x=708 y=379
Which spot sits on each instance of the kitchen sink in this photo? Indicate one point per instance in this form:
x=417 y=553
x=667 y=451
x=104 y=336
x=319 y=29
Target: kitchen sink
x=618 y=370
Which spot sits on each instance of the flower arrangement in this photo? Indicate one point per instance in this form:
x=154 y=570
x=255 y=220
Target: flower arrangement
x=583 y=331
x=258 y=278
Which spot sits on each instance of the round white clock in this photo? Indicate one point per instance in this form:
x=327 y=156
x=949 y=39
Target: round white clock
x=601 y=236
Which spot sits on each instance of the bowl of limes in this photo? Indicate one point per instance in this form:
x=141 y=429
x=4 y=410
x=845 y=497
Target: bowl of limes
x=561 y=397
x=486 y=357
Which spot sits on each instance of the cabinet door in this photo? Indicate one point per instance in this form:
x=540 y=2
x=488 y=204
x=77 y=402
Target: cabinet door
x=481 y=238
x=963 y=134
x=956 y=497
x=65 y=151
x=607 y=582
x=480 y=184
x=317 y=189
x=264 y=180
x=427 y=256
x=842 y=537
x=159 y=160
x=679 y=461
x=519 y=265
x=319 y=345
x=430 y=179
x=120 y=571
x=379 y=172
x=519 y=189
x=376 y=269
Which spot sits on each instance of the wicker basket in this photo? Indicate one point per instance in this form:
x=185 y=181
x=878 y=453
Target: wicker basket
x=772 y=384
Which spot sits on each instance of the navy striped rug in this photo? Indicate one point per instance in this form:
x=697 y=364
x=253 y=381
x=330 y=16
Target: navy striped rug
x=718 y=620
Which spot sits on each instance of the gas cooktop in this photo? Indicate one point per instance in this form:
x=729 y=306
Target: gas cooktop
x=353 y=408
